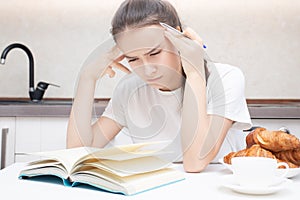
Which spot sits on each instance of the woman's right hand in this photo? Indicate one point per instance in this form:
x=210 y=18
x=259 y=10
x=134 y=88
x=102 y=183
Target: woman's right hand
x=115 y=64
x=102 y=61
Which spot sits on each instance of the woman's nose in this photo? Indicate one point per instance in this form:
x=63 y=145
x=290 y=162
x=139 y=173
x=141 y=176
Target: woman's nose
x=149 y=69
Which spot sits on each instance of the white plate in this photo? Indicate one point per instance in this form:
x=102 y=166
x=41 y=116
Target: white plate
x=230 y=182
x=291 y=173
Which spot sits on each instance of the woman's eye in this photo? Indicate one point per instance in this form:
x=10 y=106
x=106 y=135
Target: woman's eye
x=155 y=53
x=132 y=60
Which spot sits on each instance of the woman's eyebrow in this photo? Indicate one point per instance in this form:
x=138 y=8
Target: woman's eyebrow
x=152 y=50
x=129 y=57
x=149 y=52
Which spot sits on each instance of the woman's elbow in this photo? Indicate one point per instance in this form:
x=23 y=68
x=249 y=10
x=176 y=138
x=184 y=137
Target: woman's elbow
x=194 y=165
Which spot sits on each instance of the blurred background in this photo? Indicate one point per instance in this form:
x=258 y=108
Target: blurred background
x=261 y=37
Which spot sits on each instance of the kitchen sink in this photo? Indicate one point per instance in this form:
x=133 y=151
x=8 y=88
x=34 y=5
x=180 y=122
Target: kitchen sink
x=43 y=102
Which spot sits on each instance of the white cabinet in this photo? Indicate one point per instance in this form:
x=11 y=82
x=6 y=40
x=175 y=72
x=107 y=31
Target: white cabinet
x=274 y=124
x=7 y=141
x=31 y=134
x=39 y=134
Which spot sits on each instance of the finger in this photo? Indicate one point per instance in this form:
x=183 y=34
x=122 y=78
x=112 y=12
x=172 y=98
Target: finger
x=179 y=42
x=190 y=53
x=111 y=73
x=114 y=53
x=172 y=33
x=172 y=30
x=120 y=58
x=190 y=33
x=184 y=45
x=120 y=67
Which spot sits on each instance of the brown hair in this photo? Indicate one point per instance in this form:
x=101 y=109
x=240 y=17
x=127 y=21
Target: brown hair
x=141 y=13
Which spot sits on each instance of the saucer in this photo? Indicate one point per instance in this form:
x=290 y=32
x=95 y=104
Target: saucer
x=291 y=173
x=230 y=182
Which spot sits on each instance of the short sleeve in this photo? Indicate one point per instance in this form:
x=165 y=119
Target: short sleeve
x=114 y=112
x=115 y=108
x=226 y=98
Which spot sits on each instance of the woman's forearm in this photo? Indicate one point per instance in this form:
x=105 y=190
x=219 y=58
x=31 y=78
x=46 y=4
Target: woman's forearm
x=195 y=123
x=202 y=134
x=79 y=131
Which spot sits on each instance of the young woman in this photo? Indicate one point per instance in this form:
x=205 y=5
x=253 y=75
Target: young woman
x=172 y=92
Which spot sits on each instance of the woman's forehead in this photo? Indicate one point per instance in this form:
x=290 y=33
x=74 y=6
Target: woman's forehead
x=145 y=38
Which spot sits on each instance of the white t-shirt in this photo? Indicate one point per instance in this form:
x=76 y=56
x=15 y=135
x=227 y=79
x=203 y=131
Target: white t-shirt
x=148 y=114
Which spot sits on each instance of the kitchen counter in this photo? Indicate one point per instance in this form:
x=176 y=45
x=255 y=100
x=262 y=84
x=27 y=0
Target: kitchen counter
x=274 y=111
x=274 y=108
x=259 y=109
x=47 y=108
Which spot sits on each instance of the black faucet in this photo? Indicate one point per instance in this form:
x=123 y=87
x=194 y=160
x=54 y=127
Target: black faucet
x=37 y=94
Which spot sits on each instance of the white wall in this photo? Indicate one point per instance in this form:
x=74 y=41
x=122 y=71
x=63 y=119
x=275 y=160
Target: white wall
x=262 y=37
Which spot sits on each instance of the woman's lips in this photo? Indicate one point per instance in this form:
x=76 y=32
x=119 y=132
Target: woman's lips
x=154 y=79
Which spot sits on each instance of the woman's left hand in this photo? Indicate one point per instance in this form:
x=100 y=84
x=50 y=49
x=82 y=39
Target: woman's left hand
x=190 y=47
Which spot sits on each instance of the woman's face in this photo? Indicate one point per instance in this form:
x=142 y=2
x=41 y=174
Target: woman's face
x=152 y=57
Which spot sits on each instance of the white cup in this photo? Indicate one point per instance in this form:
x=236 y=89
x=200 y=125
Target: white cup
x=257 y=171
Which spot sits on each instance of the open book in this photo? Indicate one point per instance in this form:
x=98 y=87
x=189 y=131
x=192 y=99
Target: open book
x=126 y=169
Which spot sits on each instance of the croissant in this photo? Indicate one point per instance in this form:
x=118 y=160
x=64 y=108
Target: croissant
x=274 y=141
x=254 y=151
x=251 y=137
x=292 y=156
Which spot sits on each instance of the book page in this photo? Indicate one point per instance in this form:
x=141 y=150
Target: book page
x=129 y=167
x=74 y=156
x=67 y=157
x=42 y=163
x=137 y=165
x=126 y=152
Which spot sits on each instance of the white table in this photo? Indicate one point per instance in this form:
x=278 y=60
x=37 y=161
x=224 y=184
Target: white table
x=204 y=185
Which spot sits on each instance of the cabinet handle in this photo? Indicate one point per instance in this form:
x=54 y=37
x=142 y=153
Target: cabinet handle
x=3 y=146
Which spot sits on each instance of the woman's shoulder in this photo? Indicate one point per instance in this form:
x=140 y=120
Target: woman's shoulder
x=225 y=79
x=224 y=71
x=227 y=68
